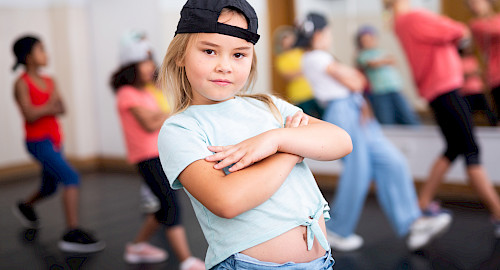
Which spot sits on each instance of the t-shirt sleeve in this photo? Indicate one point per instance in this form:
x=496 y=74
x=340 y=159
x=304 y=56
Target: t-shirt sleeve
x=127 y=97
x=436 y=29
x=181 y=142
x=285 y=108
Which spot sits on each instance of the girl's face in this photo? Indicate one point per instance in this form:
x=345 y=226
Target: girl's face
x=217 y=66
x=146 y=71
x=322 y=39
x=368 y=41
x=37 y=56
x=479 y=7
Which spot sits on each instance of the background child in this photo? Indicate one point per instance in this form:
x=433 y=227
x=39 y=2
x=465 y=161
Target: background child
x=40 y=104
x=430 y=43
x=373 y=156
x=486 y=32
x=288 y=64
x=389 y=105
x=141 y=119
x=257 y=203
x=472 y=90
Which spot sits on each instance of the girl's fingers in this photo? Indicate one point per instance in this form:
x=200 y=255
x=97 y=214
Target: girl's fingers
x=243 y=163
x=305 y=120
x=233 y=158
x=221 y=152
x=287 y=121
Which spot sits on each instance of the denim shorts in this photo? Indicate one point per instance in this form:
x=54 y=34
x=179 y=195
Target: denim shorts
x=244 y=262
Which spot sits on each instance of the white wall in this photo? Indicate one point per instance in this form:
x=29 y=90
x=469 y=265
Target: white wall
x=82 y=39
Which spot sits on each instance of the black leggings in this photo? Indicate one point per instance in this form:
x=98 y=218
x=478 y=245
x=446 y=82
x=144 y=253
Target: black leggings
x=152 y=172
x=454 y=119
x=478 y=102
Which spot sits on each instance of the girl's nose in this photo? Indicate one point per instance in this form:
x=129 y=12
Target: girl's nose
x=223 y=66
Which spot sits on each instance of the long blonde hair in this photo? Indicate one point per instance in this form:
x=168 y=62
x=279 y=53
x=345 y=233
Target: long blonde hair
x=173 y=80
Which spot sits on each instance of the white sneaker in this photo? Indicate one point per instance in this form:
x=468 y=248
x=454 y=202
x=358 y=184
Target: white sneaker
x=144 y=253
x=192 y=263
x=339 y=243
x=425 y=229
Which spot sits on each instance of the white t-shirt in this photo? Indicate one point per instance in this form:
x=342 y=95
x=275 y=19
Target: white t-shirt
x=325 y=87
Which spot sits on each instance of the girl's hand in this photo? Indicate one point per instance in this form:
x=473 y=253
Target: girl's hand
x=244 y=153
x=298 y=119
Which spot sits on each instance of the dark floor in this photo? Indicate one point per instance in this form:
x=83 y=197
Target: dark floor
x=110 y=208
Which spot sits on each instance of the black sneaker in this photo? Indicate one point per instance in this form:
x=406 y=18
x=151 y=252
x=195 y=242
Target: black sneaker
x=79 y=241
x=26 y=214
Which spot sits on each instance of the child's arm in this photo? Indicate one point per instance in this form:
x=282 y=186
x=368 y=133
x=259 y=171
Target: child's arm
x=317 y=140
x=60 y=107
x=32 y=113
x=149 y=120
x=384 y=61
x=348 y=76
x=230 y=195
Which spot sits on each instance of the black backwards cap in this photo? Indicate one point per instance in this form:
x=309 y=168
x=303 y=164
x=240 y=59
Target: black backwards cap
x=201 y=16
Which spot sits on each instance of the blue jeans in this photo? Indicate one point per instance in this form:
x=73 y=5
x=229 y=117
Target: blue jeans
x=392 y=108
x=244 y=262
x=373 y=157
x=55 y=168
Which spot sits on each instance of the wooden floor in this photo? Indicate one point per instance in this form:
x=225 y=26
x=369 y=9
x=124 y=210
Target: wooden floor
x=110 y=208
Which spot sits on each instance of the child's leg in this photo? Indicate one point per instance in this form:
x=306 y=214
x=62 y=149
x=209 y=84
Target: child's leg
x=455 y=123
x=431 y=184
x=149 y=227
x=404 y=112
x=356 y=173
x=481 y=183
x=384 y=108
x=395 y=189
x=169 y=213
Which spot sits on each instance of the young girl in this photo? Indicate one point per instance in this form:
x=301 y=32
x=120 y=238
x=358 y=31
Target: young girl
x=40 y=103
x=374 y=157
x=472 y=90
x=430 y=43
x=141 y=119
x=389 y=105
x=486 y=31
x=288 y=65
x=257 y=203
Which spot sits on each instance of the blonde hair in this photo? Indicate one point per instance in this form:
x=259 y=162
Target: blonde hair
x=173 y=80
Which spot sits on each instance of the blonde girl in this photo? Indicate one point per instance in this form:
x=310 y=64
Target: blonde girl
x=239 y=157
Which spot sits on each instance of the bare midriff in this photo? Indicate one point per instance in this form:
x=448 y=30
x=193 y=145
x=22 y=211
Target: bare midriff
x=290 y=246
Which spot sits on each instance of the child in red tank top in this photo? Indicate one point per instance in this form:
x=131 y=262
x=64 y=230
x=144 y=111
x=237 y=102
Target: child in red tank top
x=40 y=104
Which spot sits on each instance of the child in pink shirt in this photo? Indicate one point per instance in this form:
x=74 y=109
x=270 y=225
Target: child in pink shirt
x=430 y=42
x=485 y=29
x=472 y=90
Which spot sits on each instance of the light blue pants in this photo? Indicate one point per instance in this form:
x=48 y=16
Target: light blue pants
x=241 y=261
x=373 y=157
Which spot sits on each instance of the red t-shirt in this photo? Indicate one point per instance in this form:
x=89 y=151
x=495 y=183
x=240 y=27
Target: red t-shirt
x=46 y=127
x=429 y=41
x=472 y=83
x=486 y=33
x=141 y=144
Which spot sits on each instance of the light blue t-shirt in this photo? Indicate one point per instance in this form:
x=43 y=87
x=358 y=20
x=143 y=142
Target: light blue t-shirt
x=184 y=138
x=383 y=79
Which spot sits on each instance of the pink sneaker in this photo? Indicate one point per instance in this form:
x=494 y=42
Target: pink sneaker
x=192 y=263
x=144 y=253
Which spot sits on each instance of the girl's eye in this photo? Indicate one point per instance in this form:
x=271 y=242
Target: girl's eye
x=239 y=55
x=209 y=52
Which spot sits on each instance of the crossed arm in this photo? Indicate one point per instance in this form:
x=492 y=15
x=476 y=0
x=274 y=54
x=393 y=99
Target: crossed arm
x=261 y=164
x=31 y=113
